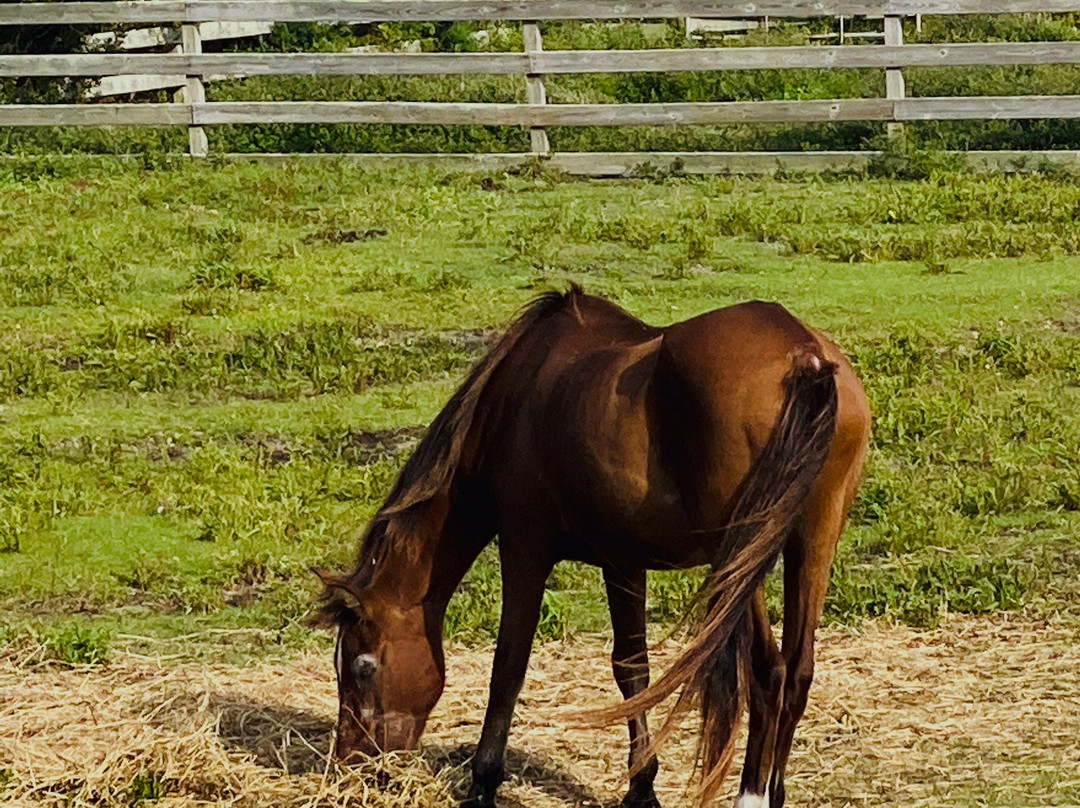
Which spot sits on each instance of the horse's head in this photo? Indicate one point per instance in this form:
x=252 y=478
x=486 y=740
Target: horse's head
x=389 y=670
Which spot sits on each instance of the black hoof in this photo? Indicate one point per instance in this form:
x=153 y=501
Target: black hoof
x=479 y=798
x=649 y=801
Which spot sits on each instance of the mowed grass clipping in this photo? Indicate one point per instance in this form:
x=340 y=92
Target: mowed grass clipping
x=210 y=376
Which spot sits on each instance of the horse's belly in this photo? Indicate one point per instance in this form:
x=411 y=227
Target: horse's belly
x=624 y=504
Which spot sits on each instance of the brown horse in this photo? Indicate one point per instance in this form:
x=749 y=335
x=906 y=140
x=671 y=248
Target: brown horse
x=586 y=434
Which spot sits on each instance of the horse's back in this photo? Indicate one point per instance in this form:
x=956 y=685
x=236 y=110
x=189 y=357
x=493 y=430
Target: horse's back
x=646 y=433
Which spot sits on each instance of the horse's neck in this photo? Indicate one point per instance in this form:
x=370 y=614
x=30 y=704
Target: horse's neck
x=441 y=544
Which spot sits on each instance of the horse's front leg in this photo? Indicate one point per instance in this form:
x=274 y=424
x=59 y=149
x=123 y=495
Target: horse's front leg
x=524 y=577
x=630 y=660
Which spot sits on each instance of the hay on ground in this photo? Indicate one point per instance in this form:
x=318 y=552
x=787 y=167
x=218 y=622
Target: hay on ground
x=978 y=712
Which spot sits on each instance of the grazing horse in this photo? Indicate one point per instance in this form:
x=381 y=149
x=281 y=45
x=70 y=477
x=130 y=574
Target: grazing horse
x=585 y=434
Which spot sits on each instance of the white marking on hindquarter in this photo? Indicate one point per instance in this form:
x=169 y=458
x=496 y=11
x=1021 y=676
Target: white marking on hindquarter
x=747 y=800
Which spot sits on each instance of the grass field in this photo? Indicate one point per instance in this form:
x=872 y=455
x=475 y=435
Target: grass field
x=209 y=376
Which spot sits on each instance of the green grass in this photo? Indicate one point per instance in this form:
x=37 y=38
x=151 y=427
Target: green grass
x=210 y=375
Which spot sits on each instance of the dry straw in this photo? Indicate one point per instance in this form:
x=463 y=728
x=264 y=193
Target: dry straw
x=977 y=712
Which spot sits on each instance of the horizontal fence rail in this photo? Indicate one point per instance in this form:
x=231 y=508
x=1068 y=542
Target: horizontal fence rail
x=545 y=62
x=361 y=11
x=187 y=68
x=533 y=116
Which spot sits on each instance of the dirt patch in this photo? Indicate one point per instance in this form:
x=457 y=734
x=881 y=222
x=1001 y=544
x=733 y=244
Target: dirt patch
x=980 y=712
x=362 y=447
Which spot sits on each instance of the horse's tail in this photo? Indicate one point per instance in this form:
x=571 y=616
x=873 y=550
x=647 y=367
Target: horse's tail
x=711 y=669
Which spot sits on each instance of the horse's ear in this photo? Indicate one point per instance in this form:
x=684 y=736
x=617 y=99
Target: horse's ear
x=338 y=602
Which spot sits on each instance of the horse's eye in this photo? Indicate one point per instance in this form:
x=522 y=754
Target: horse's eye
x=364 y=666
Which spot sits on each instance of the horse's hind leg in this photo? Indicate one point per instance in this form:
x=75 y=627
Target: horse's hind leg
x=630 y=661
x=524 y=577
x=766 y=701
x=808 y=558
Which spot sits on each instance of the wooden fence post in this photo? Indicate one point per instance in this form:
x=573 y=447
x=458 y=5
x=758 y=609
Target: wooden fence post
x=194 y=90
x=536 y=94
x=894 y=77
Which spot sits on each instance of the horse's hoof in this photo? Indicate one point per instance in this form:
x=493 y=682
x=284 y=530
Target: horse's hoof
x=640 y=802
x=479 y=798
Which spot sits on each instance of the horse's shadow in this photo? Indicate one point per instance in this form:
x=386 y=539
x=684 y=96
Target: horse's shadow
x=298 y=742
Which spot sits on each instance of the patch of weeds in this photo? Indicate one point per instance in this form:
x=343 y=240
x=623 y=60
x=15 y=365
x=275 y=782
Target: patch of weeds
x=678 y=270
x=939 y=267
x=226 y=275
x=1005 y=492
x=650 y=171
x=899 y=356
x=975 y=586
x=7 y=779
x=335 y=235
x=248 y=583
x=873 y=502
x=922 y=596
x=1008 y=352
x=554 y=623
x=534 y=241
x=900 y=160
x=213 y=302
x=441 y=281
x=148 y=575
x=473 y=614
x=149 y=786
x=62 y=277
x=671 y=593
x=217 y=242
x=78 y=643
x=1067 y=496
x=118 y=335
x=538 y=168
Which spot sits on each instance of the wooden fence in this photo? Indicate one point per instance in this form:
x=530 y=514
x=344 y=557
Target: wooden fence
x=195 y=112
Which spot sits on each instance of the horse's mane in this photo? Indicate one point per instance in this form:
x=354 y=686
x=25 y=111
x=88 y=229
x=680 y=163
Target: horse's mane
x=430 y=471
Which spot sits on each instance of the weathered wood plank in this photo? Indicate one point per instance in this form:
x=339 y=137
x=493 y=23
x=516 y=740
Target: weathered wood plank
x=989 y=108
x=263 y=64
x=175 y=11
x=146 y=38
x=545 y=62
x=128 y=84
x=534 y=85
x=194 y=89
x=95 y=115
x=808 y=57
x=895 y=86
x=450 y=114
x=453 y=114
x=330 y=112
x=715 y=113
